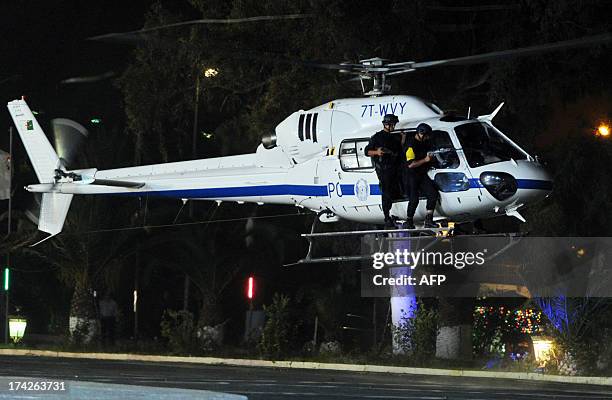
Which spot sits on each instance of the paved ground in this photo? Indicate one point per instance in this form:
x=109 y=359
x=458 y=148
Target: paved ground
x=268 y=383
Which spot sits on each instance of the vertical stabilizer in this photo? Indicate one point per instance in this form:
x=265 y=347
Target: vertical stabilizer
x=54 y=206
x=41 y=153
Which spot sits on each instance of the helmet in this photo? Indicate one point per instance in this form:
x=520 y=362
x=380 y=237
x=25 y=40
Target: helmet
x=390 y=119
x=423 y=129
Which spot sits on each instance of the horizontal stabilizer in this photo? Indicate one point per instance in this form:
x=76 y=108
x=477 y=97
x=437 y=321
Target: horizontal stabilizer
x=125 y=184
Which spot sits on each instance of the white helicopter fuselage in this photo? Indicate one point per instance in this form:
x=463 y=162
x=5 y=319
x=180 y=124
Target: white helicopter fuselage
x=315 y=160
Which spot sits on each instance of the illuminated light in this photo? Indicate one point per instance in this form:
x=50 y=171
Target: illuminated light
x=542 y=349
x=603 y=130
x=135 y=300
x=580 y=252
x=17 y=327
x=251 y=288
x=211 y=72
x=6 y=279
x=95 y=121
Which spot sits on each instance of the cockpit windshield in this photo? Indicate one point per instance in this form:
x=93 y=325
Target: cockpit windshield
x=482 y=145
x=443 y=151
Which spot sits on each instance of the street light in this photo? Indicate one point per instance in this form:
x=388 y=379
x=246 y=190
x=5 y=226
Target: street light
x=207 y=73
x=603 y=130
x=17 y=327
x=211 y=72
x=542 y=349
x=8 y=234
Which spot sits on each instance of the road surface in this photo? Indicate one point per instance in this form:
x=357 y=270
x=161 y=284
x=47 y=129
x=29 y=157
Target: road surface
x=271 y=383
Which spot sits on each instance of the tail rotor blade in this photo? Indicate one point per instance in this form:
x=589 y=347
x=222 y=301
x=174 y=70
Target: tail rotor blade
x=69 y=138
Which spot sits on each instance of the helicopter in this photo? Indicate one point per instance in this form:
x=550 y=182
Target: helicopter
x=315 y=158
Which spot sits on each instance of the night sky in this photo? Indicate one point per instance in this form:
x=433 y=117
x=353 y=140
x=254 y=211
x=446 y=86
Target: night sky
x=44 y=42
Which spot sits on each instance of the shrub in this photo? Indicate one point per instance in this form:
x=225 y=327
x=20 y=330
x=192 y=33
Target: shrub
x=277 y=332
x=417 y=336
x=178 y=328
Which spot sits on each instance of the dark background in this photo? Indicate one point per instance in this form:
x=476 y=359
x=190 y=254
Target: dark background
x=554 y=102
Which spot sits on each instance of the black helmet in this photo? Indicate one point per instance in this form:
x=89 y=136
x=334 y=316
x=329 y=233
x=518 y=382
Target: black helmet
x=390 y=119
x=423 y=129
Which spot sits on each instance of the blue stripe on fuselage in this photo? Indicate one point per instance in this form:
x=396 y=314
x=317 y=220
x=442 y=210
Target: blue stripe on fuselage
x=475 y=183
x=239 y=191
x=534 y=184
x=298 y=190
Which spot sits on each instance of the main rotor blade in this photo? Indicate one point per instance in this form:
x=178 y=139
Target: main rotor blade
x=400 y=72
x=88 y=79
x=344 y=66
x=524 y=51
x=136 y=35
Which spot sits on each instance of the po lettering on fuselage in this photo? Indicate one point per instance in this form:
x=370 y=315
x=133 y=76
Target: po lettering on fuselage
x=380 y=109
x=334 y=189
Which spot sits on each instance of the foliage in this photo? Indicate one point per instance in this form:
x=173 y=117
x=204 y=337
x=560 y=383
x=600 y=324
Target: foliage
x=82 y=310
x=208 y=257
x=210 y=337
x=494 y=327
x=417 y=336
x=159 y=91
x=82 y=332
x=577 y=159
x=330 y=307
x=210 y=331
x=581 y=329
x=278 y=329
x=179 y=329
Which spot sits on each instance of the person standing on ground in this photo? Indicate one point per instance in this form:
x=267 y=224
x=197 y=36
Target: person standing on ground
x=108 y=319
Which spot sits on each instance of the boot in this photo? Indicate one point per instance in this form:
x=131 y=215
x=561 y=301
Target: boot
x=389 y=224
x=429 y=223
x=409 y=224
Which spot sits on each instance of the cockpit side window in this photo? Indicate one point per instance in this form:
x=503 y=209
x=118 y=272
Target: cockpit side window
x=352 y=155
x=444 y=154
x=482 y=145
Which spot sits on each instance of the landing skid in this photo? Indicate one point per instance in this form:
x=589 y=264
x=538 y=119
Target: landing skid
x=428 y=231
x=383 y=236
x=386 y=234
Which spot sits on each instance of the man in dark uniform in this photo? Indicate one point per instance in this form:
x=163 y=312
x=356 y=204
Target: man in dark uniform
x=385 y=149
x=416 y=180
